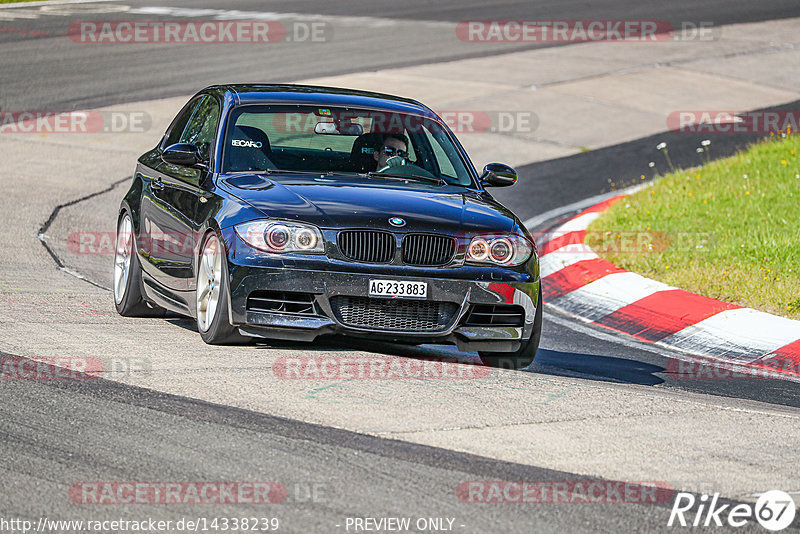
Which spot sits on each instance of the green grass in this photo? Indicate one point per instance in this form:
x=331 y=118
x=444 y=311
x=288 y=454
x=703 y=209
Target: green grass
x=728 y=230
x=15 y=1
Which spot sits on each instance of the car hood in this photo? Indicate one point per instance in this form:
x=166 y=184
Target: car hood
x=352 y=203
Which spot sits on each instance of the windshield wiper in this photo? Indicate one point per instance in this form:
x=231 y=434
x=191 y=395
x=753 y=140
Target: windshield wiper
x=313 y=173
x=287 y=171
x=419 y=177
x=433 y=179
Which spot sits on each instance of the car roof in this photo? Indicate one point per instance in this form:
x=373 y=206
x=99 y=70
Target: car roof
x=242 y=94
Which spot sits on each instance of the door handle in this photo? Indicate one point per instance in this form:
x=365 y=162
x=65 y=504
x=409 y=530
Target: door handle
x=157 y=185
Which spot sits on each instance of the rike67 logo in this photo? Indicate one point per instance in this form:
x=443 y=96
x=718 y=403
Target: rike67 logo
x=774 y=510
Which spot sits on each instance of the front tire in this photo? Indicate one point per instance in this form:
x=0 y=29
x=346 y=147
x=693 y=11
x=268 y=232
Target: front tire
x=127 y=288
x=524 y=356
x=212 y=296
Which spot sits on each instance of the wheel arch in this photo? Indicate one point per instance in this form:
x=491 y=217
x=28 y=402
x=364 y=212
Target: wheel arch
x=212 y=228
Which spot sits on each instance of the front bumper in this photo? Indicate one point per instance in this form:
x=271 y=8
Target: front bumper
x=325 y=279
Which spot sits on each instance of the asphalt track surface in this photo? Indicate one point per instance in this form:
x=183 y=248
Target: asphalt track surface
x=54 y=433
x=373 y=477
x=72 y=77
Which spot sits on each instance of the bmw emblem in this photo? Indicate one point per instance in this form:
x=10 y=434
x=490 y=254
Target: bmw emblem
x=397 y=221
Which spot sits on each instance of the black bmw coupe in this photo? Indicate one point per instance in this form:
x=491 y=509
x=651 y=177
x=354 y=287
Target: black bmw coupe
x=290 y=212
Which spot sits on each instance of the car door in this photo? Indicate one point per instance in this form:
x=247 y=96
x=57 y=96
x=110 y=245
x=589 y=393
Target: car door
x=170 y=207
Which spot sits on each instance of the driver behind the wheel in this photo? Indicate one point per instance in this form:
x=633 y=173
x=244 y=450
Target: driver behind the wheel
x=392 y=152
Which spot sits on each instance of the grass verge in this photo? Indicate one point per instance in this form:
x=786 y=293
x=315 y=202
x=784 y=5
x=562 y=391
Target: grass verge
x=729 y=230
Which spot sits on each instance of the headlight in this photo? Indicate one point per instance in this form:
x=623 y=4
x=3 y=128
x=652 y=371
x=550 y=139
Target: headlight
x=279 y=237
x=506 y=250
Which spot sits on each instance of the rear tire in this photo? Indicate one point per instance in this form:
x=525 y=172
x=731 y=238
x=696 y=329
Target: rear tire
x=128 y=298
x=212 y=296
x=524 y=356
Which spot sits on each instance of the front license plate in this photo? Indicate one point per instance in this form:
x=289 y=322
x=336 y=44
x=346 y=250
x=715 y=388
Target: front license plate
x=398 y=288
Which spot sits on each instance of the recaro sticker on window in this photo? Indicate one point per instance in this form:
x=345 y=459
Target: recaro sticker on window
x=246 y=143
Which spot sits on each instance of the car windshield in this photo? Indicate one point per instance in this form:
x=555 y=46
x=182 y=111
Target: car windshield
x=336 y=141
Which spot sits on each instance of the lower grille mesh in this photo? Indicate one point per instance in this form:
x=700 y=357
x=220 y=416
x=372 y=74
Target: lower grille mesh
x=394 y=314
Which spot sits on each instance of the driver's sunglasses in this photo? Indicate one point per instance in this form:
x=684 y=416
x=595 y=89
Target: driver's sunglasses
x=391 y=151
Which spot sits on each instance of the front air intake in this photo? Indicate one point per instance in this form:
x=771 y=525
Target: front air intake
x=495 y=315
x=282 y=302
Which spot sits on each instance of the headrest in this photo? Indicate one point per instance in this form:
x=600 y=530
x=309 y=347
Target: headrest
x=248 y=150
x=361 y=157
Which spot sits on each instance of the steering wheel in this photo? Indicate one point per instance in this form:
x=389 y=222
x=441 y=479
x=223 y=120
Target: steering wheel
x=406 y=168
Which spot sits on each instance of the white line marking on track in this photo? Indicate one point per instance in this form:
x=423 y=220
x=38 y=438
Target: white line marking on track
x=235 y=14
x=52 y=3
x=29 y=14
x=56 y=10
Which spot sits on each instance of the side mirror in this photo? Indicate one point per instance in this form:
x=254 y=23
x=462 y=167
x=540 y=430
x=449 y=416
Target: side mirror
x=498 y=175
x=182 y=154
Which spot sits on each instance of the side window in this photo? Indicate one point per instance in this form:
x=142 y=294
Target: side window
x=412 y=155
x=445 y=165
x=176 y=130
x=202 y=127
